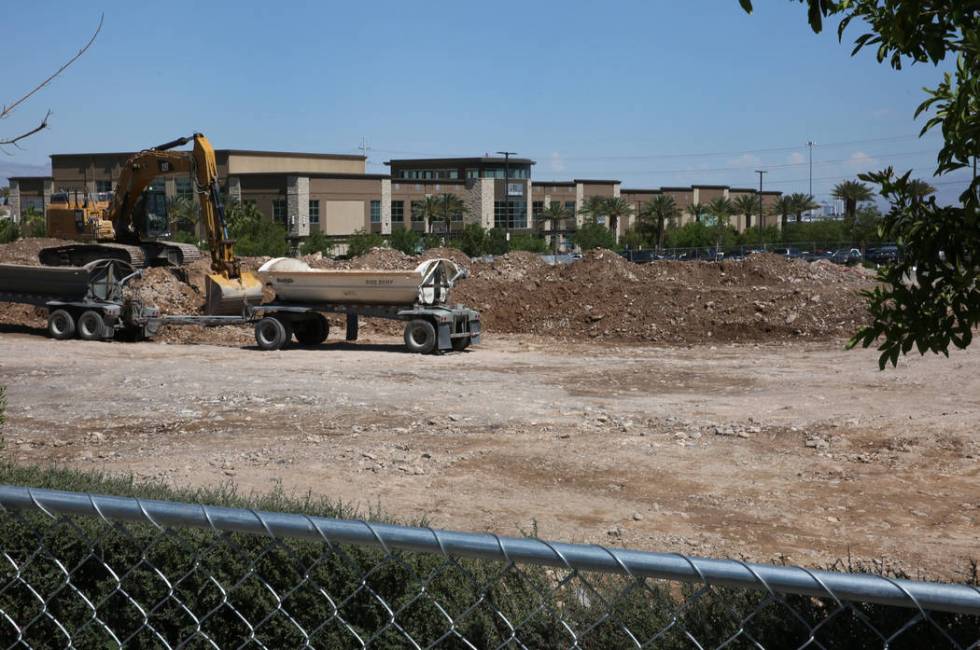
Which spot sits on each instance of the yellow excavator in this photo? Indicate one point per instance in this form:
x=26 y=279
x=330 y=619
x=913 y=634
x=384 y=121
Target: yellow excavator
x=122 y=229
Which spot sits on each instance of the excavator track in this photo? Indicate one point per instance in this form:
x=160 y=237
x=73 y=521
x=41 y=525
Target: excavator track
x=159 y=253
x=82 y=254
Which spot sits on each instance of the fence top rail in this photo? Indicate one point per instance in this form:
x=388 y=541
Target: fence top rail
x=926 y=596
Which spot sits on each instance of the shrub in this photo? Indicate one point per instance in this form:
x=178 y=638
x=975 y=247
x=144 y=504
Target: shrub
x=406 y=241
x=9 y=231
x=254 y=235
x=473 y=240
x=317 y=242
x=432 y=241
x=634 y=239
x=593 y=235
x=362 y=241
x=496 y=242
x=533 y=243
x=33 y=224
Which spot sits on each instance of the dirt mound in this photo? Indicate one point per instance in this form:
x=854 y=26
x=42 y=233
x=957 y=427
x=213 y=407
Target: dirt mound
x=384 y=259
x=605 y=297
x=170 y=289
x=24 y=251
x=453 y=254
x=514 y=266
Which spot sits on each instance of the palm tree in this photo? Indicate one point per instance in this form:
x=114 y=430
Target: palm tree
x=722 y=209
x=593 y=208
x=556 y=213
x=747 y=204
x=427 y=210
x=452 y=208
x=851 y=193
x=802 y=203
x=697 y=211
x=656 y=213
x=617 y=208
x=783 y=207
x=920 y=189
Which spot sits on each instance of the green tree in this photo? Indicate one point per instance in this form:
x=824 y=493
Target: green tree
x=930 y=297
x=593 y=209
x=254 y=234
x=451 y=208
x=722 y=209
x=657 y=214
x=633 y=239
x=557 y=214
x=697 y=211
x=851 y=193
x=428 y=210
x=362 y=241
x=496 y=242
x=9 y=231
x=593 y=235
x=405 y=240
x=864 y=230
x=801 y=203
x=747 y=205
x=921 y=189
x=528 y=242
x=617 y=210
x=783 y=207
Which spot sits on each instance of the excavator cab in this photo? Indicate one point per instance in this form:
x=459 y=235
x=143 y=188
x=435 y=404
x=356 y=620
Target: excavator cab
x=150 y=215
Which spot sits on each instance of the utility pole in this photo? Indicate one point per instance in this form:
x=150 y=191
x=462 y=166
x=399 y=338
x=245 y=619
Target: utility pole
x=506 y=155
x=810 y=145
x=760 y=172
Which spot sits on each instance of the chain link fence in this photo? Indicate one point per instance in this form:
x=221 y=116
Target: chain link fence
x=81 y=570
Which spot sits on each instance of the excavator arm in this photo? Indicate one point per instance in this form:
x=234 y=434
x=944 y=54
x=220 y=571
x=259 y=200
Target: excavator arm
x=227 y=287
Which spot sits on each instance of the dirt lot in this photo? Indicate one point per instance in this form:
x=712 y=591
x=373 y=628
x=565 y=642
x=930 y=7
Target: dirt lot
x=784 y=450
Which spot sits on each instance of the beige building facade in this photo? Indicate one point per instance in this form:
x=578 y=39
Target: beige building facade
x=333 y=194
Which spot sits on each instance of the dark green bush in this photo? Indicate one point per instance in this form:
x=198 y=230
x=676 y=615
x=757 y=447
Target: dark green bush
x=9 y=231
x=524 y=242
x=317 y=242
x=404 y=240
x=254 y=234
x=496 y=242
x=362 y=241
x=593 y=235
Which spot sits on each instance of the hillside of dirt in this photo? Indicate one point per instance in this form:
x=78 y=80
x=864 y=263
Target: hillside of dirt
x=600 y=297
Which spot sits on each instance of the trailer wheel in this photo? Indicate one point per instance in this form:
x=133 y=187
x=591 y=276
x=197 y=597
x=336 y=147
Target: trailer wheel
x=91 y=326
x=61 y=324
x=420 y=336
x=270 y=334
x=312 y=331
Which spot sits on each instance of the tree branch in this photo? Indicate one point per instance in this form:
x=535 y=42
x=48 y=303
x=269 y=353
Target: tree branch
x=40 y=127
x=9 y=109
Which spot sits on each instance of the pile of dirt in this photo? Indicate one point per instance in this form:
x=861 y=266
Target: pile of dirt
x=602 y=296
x=454 y=254
x=606 y=297
x=24 y=251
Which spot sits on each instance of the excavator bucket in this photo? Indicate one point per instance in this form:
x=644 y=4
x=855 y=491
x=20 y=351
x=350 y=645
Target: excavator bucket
x=226 y=296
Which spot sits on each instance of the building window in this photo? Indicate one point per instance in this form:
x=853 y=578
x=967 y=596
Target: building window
x=375 y=211
x=570 y=206
x=279 y=210
x=184 y=188
x=510 y=215
x=398 y=211
x=103 y=186
x=427 y=174
x=314 y=211
x=537 y=209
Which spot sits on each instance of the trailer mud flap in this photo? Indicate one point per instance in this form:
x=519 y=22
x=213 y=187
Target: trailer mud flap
x=445 y=335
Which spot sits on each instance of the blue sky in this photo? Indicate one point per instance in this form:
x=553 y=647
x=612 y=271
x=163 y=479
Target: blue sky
x=652 y=93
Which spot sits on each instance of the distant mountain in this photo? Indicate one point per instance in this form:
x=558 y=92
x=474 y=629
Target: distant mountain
x=10 y=168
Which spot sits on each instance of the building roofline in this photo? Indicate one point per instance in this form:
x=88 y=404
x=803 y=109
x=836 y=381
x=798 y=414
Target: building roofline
x=637 y=191
x=243 y=152
x=711 y=187
x=557 y=183
x=676 y=188
x=337 y=175
x=459 y=160
x=595 y=181
x=744 y=189
x=30 y=178
x=430 y=181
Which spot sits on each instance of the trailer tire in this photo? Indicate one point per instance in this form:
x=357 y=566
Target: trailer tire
x=270 y=334
x=311 y=331
x=420 y=336
x=91 y=326
x=61 y=324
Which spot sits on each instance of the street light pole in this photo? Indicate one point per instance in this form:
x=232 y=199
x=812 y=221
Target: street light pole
x=809 y=144
x=760 y=172
x=506 y=155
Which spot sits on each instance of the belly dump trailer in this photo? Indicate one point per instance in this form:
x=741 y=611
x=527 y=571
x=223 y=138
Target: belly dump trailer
x=303 y=295
x=89 y=301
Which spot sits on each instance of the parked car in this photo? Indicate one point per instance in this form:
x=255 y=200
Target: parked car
x=847 y=256
x=787 y=252
x=882 y=254
x=644 y=256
